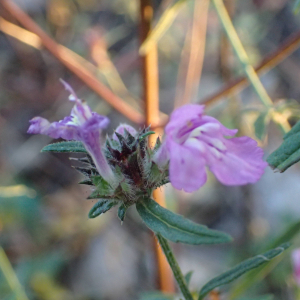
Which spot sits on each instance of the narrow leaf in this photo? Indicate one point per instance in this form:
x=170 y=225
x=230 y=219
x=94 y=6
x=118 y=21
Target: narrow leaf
x=122 y=212
x=265 y=297
x=86 y=181
x=241 y=269
x=259 y=273
x=295 y=129
x=287 y=154
x=67 y=146
x=102 y=187
x=143 y=136
x=101 y=207
x=176 y=228
x=156 y=296
x=261 y=125
x=188 y=277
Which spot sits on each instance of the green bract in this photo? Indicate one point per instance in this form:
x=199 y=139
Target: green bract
x=130 y=158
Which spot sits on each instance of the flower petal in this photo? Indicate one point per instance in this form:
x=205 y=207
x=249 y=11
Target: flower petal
x=240 y=164
x=187 y=167
x=38 y=125
x=296 y=265
x=183 y=117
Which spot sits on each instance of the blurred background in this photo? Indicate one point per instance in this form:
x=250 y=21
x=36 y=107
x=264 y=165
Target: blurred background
x=56 y=252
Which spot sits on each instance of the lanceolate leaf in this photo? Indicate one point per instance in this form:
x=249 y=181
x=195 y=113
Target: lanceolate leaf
x=156 y=296
x=101 y=207
x=122 y=212
x=241 y=269
x=265 y=297
x=261 y=125
x=289 y=151
x=259 y=273
x=175 y=227
x=103 y=189
x=67 y=146
x=188 y=277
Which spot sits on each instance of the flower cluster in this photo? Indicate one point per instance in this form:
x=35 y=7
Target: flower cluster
x=125 y=169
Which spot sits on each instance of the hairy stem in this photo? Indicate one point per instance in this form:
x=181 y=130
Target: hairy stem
x=241 y=53
x=175 y=267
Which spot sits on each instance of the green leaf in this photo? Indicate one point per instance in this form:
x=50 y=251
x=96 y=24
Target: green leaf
x=122 y=212
x=143 y=136
x=265 y=297
x=295 y=129
x=241 y=269
x=287 y=154
x=258 y=274
x=103 y=188
x=261 y=124
x=86 y=182
x=68 y=146
x=296 y=7
x=101 y=207
x=157 y=145
x=188 y=277
x=176 y=228
x=156 y=296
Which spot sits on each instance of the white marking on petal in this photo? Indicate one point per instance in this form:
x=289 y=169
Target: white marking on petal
x=215 y=152
x=207 y=127
x=195 y=143
x=218 y=144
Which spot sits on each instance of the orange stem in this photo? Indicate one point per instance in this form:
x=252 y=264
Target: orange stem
x=72 y=64
x=151 y=100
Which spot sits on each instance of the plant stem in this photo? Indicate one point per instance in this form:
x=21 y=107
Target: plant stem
x=11 y=277
x=175 y=267
x=151 y=99
x=241 y=53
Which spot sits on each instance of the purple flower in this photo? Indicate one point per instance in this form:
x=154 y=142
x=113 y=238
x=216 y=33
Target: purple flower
x=194 y=141
x=296 y=265
x=82 y=125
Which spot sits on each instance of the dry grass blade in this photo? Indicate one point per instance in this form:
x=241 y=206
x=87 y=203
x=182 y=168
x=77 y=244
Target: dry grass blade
x=62 y=54
x=272 y=60
x=161 y=27
x=192 y=56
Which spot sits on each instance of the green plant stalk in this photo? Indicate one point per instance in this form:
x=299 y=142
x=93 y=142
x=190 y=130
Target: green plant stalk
x=175 y=267
x=11 y=277
x=241 y=53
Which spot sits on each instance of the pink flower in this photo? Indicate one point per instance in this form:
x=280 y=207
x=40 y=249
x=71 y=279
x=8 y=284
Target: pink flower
x=296 y=265
x=194 y=141
x=82 y=125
